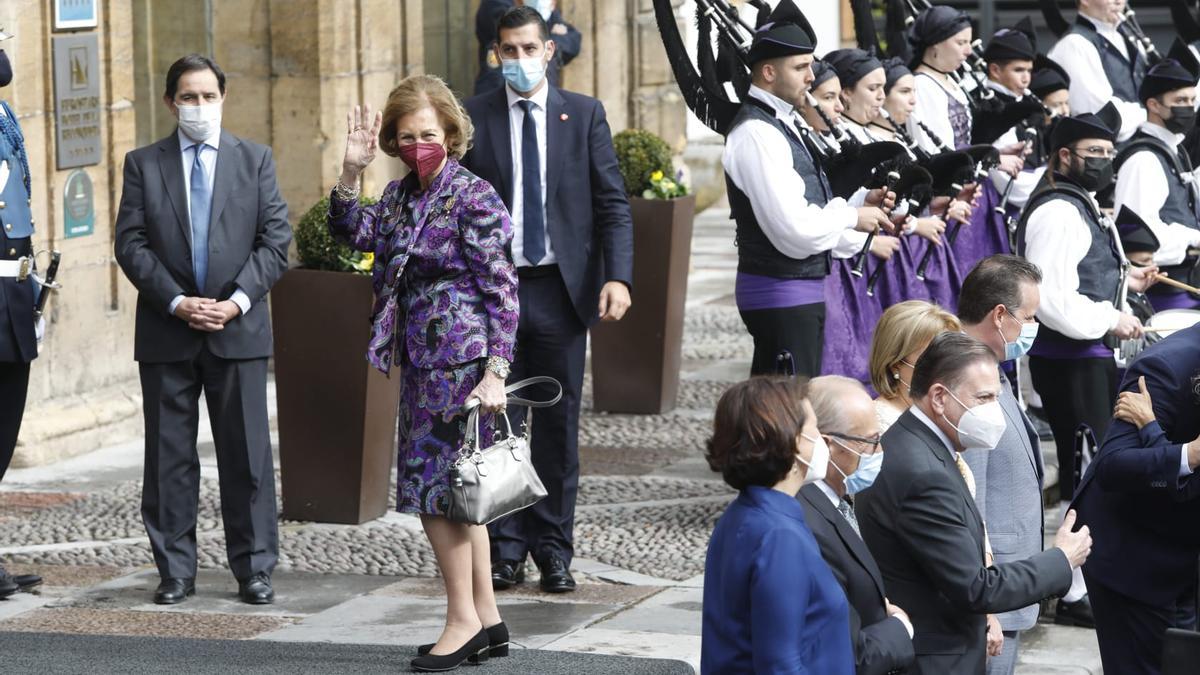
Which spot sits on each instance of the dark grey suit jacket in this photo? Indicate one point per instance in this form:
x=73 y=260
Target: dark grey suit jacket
x=881 y=643
x=924 y=530
x=248 y=242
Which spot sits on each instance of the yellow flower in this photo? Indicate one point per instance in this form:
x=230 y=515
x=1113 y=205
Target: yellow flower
x=656 y=176
x=366 y=263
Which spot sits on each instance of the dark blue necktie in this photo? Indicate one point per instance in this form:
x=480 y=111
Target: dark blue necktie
x=201 y=204
x=534 y=216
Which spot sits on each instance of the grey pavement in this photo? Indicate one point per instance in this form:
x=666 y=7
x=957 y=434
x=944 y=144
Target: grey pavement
x=350 y=597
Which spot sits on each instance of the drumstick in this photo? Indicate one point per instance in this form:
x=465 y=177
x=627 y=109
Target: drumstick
x=1164 y=279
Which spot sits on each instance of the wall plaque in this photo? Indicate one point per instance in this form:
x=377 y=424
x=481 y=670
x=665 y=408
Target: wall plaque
x=77 y=100
x=79 y=207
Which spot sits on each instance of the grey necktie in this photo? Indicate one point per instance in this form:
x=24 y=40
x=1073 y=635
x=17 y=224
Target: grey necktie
x=847 y=511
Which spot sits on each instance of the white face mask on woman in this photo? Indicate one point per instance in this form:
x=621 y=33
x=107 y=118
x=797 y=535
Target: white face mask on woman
x=819 y=464
x=980 y=427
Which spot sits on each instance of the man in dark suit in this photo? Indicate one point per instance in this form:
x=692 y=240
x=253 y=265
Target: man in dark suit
x=880 y=631
x=921 y=524
x=567 y=41
x=18 y=334
x=202 y=233
x=549 y=154
x=1140 y=495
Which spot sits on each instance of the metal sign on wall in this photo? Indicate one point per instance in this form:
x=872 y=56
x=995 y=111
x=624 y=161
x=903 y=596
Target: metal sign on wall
x=79 y=210
x=77 y=100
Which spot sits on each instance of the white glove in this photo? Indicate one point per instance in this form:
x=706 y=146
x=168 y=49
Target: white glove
x=39 y=329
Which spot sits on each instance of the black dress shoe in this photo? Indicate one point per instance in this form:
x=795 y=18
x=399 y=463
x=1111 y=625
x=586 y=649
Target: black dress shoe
x=497 y=642
x=556 y=577
x=256 y=590
x=174 y=591
x=507 y=573
x=7 y=585
x=475 y=651
x=1078 y=613
x=27 y=582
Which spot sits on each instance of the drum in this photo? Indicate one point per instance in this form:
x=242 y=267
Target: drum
x=1168 y=321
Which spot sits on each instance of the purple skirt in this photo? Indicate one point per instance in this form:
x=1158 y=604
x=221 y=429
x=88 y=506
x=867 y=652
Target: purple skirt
x=850 y=317
x=985 y=235
x=943 y=281
x=431 y=433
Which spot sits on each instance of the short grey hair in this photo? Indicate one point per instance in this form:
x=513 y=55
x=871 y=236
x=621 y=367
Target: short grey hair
x=825 y=394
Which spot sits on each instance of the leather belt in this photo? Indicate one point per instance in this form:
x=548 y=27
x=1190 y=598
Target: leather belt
x=537 y=271
x=18 y=269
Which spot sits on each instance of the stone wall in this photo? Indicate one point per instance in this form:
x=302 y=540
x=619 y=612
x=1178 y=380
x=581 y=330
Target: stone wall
x=294 y=68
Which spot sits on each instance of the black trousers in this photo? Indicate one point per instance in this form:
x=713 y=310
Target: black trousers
x=551 y=340
x=1131 y=633
x=14 y=385
x=1074 y=392
x=798 y=330
x=236 y=393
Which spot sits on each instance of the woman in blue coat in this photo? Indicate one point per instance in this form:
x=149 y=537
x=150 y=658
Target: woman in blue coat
x=771 y=604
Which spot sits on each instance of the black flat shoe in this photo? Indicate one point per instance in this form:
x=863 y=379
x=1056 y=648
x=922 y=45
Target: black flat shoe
x=497 y=642
x=174 y=591
x=1078 y=613
x=507 y=573
x=475 y=651
x=556 y=577
x=27 y=582
x=256 y=590
x=7 y=585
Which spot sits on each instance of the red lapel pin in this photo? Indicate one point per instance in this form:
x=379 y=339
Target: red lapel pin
x=564 y=117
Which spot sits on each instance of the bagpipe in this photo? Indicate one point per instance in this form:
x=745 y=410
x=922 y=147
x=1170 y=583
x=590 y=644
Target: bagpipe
x=1128 y=27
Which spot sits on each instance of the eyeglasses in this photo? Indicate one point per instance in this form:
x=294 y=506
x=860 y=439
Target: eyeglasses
x=1019 y=319
x=1095 y=151
x=872 y=442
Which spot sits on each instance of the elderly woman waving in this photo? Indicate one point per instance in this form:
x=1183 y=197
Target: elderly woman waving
x=445 y=312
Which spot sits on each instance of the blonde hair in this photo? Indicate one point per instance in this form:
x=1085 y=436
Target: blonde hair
x=419 y=91
x=903 y=329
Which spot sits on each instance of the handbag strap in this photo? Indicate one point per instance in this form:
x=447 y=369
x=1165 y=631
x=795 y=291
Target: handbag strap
x=473 y=403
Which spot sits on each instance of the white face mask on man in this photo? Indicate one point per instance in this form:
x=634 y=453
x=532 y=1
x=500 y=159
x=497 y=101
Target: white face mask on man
x=980 y=427
x=200 y=122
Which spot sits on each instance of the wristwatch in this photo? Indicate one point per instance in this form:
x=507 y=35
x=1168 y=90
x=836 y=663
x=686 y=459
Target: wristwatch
x=498 y=365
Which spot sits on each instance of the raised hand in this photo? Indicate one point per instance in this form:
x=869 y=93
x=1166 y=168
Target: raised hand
x=362 y=140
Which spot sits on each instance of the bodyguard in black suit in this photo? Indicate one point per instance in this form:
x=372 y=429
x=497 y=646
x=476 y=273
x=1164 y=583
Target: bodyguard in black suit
x=567 y=41
x=880 y=632
x=1140 y=497
x=921 y=524
x=203 y=248
x=552 y=149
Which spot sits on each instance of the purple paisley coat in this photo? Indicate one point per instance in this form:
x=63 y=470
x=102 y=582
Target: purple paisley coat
x=445 y=284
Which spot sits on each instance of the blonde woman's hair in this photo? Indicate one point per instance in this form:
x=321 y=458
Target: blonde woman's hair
x=904 y=328
x=419 y=91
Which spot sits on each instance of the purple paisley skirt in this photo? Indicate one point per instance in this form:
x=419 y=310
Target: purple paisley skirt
x=431 y=433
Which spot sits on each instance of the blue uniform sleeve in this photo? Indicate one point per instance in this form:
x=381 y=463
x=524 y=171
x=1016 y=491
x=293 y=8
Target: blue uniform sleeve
x=779 y=599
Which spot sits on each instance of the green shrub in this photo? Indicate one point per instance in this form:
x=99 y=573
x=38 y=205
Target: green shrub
x=640 y=154
x=317 y=249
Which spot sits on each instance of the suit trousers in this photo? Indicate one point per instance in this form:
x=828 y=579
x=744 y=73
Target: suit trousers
x=798 y=330
x=236 y=393
x=14 y=385
x=551 y=340
x=1006 y=663
x=1130 y=632
x=1074 y=392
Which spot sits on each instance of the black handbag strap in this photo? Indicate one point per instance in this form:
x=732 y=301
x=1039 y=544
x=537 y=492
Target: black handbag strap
x=473 y=403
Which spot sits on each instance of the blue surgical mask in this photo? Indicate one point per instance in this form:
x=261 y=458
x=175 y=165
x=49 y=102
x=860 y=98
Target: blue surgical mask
x=864 y=476
x=542 y=6
x=1015 y=350
x=523 y=75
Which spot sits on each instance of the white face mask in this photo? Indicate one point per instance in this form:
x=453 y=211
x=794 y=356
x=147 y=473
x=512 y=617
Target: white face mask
x=544 y=7
x=200 y=122
x=980 y=427
x=819 y=464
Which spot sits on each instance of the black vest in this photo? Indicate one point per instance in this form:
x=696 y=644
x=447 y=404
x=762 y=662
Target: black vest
x=1180 y=206
x=1124 y=75
x=756 y=253
x=1100 y=269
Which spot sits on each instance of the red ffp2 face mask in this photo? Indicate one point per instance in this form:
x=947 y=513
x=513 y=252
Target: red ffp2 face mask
x=424 y=158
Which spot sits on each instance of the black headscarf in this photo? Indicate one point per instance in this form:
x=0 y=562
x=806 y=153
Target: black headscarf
x=852 y=65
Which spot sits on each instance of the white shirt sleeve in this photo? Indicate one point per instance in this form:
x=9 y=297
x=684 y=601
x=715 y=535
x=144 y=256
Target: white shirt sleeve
x=1090 y=88
x=1185 y=469
x=1142 y=186
x=850 y=244
x=758 y=159
x=933 y=110
x=1026 y=182
x=1056 y=240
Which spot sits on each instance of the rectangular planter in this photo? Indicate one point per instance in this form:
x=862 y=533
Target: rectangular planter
x=337 y=414
x=636 y=361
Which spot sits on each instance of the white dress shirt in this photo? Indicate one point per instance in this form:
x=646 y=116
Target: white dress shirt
x=1090 y=88
x=1025 y=183
x=516 y=123
x=933 y=109
x=208 y=164
x=758 y=159
x=1056 y=240
x=1142 y=185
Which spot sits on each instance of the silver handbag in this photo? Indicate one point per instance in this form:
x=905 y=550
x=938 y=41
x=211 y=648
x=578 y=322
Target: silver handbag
x=490 y=483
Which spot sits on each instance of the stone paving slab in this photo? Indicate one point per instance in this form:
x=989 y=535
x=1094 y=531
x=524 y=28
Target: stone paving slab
x=89 y=621
x=685 y=648
x=674 y=611
x=589 y=593
x=1047 y=647
x=69 y=576
x=21 y=603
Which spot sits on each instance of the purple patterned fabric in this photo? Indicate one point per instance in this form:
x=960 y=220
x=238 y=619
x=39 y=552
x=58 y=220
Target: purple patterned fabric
x=987 y=233
x=960 y=122
x=444 y=281
x=850 y=317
